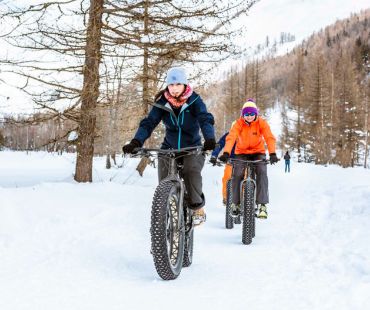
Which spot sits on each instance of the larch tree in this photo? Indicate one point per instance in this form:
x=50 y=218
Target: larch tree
x=157 y=34
x=66 y=40
x=60 y=64
x=347 y=119
x=298 y=97
x=90 y=93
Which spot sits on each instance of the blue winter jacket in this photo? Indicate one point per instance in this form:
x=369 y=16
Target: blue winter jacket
x=182 y=130
x=220 y=145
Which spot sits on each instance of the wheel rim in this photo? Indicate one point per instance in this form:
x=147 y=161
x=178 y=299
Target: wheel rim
x=173 y=230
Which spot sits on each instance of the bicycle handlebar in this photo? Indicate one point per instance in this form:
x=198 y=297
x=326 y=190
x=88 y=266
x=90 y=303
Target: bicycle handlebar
x=232 y=160
x=247 y=162
x=169 y=152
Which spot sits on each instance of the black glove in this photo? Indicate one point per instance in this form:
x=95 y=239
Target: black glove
x=213 y=160
x=273 y=158
x=209 y=144
x=224 y=157
x=129 y=148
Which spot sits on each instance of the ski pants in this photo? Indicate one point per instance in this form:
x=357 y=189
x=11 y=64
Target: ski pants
x=193 y=165
x=262 y=195
x=227 y=175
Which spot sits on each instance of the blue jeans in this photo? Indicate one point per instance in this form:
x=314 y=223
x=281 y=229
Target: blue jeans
x=287 y=165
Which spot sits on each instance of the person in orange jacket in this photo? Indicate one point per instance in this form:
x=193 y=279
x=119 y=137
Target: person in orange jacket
x=250 y=132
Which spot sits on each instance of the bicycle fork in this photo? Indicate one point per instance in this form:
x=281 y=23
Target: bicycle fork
x=247 y=178
x=174 y=178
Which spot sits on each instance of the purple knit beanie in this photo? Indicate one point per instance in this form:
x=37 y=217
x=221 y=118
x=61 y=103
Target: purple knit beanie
x=249 y=107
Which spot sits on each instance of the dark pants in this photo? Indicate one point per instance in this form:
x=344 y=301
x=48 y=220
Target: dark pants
x=261 y=178
x=193 y=165
x=287 y=165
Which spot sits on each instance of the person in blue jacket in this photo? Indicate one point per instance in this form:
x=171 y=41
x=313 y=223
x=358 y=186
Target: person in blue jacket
x=228 y=167
x=184 y=115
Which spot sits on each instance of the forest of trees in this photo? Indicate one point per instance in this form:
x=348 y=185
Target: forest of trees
x=84 y=56
x=321 y=88
x=326 y=92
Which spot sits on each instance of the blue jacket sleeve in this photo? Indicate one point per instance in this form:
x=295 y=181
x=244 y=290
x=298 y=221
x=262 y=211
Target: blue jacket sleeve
x=205 y=119
x=148 y=124
x=221 y=144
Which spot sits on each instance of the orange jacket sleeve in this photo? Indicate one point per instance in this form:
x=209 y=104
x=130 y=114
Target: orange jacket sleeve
x=268 y=136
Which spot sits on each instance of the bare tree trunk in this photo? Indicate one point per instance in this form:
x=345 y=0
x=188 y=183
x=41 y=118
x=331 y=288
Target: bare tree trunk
x=332 y=114
x=246 y=81
x=257 y=85
x=90 y=94
x=146 y=92
x=142 y=165
x=108 y=165
x=366 y=129
x=114 y=159
x=145 y=80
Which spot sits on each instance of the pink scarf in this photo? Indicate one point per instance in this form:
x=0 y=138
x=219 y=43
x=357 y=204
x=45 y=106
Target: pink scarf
x=178 y=102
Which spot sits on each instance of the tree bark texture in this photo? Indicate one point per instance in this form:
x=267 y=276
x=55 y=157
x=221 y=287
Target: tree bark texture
x=90 y=94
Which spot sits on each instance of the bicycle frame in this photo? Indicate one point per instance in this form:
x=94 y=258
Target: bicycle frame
x=173 y=176
x=249 y=176
x=249 y=173
x=172 y=155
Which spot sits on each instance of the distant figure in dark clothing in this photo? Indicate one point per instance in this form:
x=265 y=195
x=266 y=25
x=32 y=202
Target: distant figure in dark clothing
x=287 y=161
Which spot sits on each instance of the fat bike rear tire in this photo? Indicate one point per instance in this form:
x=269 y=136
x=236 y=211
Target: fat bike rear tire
x=248 y=230
x=189 y=238
x=167 y=231
x=229 y=220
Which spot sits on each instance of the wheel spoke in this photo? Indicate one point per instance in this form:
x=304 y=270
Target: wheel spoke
x=174 y=231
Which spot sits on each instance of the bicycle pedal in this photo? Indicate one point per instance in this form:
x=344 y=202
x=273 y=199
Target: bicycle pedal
x=199 y=220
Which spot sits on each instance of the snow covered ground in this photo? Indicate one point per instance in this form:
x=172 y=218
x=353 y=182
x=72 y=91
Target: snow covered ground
x=70 y=246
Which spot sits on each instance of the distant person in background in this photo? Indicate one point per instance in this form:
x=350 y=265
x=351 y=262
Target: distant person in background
x=287 y=161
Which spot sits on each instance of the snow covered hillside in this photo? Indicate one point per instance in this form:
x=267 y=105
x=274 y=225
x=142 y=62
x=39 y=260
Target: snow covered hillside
x=71 y=246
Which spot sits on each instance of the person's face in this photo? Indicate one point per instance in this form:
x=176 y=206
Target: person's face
x=176 y=89
x=249 y=117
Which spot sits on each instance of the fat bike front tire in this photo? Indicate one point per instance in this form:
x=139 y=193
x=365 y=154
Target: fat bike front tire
x=248 y=230
x=167 y=231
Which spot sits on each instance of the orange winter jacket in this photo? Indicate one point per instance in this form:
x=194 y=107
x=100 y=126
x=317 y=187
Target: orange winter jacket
x=250 y=138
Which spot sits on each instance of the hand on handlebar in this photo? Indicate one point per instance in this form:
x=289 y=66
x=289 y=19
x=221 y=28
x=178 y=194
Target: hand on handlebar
x=213 y=160
x=209 y=144
x=130 y=148
x=273 y=158
x=224 y=157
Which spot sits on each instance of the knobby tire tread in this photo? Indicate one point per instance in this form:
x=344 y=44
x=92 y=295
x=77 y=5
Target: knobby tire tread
x=160 y=250
x=248 y=213
x=229 y=221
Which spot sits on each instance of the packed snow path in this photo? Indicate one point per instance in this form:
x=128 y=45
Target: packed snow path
x=65 y=245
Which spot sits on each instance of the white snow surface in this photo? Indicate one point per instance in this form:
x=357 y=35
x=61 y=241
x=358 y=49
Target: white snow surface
x=65 y=245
